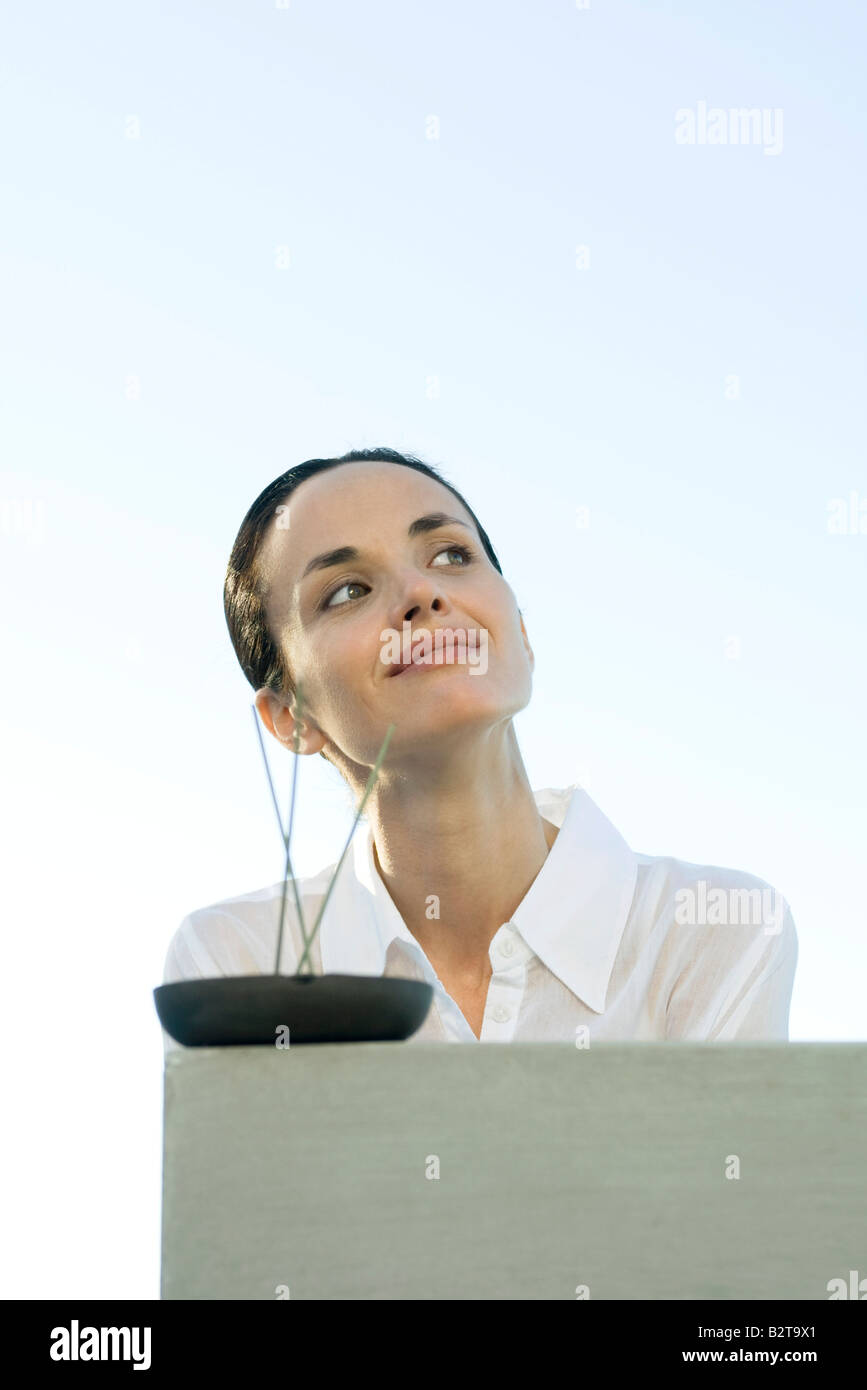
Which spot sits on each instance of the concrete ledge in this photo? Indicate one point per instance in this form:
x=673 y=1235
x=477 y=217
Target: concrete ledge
x=306 y=1169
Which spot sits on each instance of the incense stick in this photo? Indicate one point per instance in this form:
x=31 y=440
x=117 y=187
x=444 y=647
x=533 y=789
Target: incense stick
x=286 y=835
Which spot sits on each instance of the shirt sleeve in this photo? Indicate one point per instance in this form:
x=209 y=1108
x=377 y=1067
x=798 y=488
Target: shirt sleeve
x=736 y=983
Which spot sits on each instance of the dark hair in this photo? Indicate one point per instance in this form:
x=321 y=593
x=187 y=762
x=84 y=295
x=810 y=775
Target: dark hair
x=245 y=593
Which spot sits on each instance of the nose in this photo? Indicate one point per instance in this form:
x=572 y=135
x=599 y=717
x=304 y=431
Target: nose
x=412 y=613
x=420 y=595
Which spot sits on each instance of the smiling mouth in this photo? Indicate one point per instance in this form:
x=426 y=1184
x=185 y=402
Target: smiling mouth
x=444 y=653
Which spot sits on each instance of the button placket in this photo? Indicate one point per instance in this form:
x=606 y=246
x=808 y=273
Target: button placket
x=508 y=950
x=506 y=989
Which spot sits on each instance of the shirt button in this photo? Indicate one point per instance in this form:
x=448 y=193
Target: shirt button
x=507 y=948
x=501 y=1015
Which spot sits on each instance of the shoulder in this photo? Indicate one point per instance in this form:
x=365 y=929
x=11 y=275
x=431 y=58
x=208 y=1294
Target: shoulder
x=238 y=935
x=713 y=911
x=725 y=947
x=712 y=892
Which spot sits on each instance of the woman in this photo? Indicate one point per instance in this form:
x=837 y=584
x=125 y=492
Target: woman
x=527 y=911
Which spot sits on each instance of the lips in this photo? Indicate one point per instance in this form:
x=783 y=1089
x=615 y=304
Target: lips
x=397 y=668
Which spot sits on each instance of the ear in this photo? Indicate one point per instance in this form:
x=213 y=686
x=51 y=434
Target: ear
x=279 y=719
x=527 y=646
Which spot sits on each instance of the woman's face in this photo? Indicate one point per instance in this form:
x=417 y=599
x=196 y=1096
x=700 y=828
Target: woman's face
x=333 y=620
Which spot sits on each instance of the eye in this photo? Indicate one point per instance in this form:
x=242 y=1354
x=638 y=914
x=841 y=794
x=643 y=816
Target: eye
x=350 y=584
x=456 y=550
x=462 y=550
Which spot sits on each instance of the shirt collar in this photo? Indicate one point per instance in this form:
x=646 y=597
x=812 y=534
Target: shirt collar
x=572 y=916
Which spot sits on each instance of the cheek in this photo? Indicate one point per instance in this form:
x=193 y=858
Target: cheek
x=507 y=631
x=341 y=659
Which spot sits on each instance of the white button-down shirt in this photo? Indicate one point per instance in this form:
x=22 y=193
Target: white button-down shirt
x=606 y=945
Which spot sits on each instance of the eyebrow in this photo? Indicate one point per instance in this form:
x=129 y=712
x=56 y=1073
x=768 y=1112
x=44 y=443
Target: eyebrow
x=329 y=558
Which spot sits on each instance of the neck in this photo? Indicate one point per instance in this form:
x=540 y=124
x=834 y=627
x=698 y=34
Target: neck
x=458 y=852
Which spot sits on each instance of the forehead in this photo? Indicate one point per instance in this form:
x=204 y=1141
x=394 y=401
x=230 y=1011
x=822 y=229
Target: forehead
x=356 y=504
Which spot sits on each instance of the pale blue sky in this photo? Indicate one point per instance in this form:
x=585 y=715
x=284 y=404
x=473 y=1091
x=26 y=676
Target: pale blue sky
x=695 y=378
